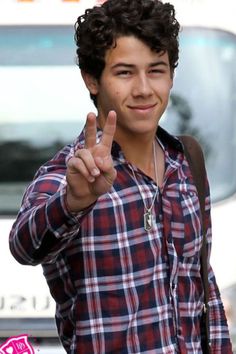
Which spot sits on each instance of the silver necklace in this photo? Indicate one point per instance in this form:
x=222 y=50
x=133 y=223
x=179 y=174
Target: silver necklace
x=148 y=214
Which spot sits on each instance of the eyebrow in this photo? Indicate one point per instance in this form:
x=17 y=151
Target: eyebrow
x=126 y=65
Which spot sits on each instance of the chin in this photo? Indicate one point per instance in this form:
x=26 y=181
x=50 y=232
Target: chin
x=144 y=129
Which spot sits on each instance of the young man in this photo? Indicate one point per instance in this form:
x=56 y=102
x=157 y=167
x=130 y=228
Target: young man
x=114 y=218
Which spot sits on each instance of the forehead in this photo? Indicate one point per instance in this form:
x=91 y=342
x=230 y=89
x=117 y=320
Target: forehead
x=131 y=50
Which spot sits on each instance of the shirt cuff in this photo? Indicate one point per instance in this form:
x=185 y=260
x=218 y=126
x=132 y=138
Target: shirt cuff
x=61 y=221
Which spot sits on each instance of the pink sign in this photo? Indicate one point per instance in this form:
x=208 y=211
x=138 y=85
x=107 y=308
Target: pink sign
x=17 y=345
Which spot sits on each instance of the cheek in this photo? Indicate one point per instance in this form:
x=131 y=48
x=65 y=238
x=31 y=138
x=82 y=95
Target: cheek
x=112 y=99
x=115 y=96
x=165 y=89
x=169 y=85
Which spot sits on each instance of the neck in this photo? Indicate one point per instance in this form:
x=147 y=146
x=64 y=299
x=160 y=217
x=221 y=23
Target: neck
x=143 y=157
x=138 y=150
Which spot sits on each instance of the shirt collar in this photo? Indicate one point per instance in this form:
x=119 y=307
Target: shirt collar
x=169 y=139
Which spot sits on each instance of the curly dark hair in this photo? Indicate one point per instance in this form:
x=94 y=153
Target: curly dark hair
x=97 y=29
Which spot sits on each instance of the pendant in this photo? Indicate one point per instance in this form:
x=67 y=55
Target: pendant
x=147 y=217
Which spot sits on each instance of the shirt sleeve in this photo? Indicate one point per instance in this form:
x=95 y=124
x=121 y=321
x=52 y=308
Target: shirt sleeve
x=219 y=333
x=44 y=226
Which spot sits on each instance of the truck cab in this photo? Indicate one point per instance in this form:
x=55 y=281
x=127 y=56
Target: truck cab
x=44 y=104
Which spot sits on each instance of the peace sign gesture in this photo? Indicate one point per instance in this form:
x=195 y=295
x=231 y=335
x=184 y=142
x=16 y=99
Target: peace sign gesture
x=90 y=172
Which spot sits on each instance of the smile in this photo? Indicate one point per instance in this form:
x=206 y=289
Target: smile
x=142 y=108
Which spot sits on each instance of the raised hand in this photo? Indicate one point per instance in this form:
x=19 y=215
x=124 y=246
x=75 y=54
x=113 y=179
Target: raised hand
x=90 y=173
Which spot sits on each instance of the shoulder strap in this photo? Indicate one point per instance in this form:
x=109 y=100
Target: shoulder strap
x=195 y=157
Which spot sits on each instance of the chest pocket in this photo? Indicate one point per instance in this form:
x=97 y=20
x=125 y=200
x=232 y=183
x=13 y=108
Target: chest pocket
x=184 y=222
x=192 y=223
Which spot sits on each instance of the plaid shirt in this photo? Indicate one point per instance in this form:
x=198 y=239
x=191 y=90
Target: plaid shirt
x=118 y=288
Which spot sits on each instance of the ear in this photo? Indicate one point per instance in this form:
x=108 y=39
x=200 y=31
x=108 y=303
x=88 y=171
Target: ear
x=90 y=82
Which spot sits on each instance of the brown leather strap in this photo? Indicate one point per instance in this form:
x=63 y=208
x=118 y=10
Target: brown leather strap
x=195 y=157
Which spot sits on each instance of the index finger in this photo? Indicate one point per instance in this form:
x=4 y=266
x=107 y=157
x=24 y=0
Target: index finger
x=90 y=130
x=109 y=130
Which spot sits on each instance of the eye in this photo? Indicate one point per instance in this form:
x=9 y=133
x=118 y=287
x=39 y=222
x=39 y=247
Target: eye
x=157 y=71
x=123 y=73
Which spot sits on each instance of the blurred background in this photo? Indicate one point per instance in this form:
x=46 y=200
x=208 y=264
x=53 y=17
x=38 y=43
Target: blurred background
x=43 y=106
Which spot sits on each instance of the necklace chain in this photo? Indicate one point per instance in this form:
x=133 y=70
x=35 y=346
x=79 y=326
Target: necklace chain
x=148 y=216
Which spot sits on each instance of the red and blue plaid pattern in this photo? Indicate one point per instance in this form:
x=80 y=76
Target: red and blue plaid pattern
x=118 y=288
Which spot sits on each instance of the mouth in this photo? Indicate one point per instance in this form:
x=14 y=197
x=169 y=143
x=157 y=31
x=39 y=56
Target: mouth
x=143 y=108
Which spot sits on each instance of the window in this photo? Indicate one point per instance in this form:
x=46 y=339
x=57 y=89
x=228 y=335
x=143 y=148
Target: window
x=44 y=102
x=203 y=102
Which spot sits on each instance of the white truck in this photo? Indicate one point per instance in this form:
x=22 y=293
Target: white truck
x=42 y=94
x=39 y=96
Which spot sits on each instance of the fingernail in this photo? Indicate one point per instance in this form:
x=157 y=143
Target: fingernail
x=95 y=172
x=91 y=179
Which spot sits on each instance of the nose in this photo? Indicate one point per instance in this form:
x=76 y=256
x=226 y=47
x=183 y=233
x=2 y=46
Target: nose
x=142 y=86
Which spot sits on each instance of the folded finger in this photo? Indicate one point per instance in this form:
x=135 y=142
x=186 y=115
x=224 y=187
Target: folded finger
x=88 y=161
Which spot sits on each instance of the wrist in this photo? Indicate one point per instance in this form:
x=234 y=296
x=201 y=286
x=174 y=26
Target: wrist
x=77 y=204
